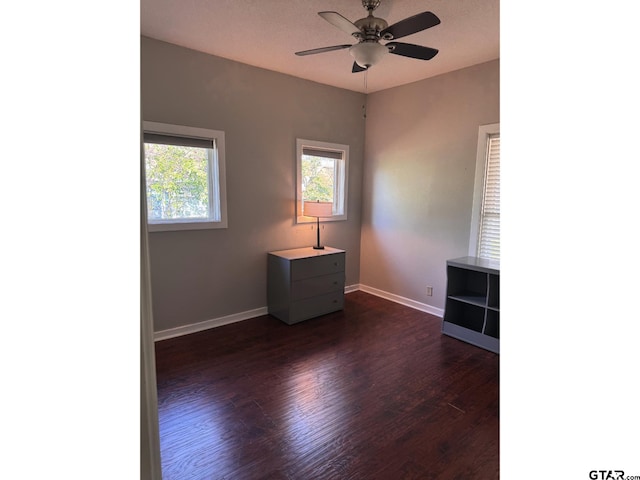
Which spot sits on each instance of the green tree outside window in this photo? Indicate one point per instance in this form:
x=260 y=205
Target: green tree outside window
x=177 y=184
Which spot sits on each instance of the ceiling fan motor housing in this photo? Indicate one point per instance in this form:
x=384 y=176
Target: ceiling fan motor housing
x=371 y=26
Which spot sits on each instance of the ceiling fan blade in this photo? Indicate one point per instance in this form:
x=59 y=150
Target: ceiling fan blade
x=337 y=20
x=411 y=50
x=322 y=50
x=357 y=68
x=410 y=25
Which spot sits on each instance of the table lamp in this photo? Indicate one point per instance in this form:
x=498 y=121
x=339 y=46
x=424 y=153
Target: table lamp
x=318 y=209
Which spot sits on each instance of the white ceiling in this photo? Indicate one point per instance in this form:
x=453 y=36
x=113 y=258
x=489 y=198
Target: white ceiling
x=267 y=33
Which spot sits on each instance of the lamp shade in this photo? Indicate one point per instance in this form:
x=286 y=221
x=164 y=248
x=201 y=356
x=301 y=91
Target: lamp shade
x=367 y=54
x=318 y=209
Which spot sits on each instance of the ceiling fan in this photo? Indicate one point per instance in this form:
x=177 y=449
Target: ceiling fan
x=370 y=30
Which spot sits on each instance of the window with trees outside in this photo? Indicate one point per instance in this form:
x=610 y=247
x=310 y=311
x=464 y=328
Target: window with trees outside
x=322 y=176
x=184 y=177
x=484 y=240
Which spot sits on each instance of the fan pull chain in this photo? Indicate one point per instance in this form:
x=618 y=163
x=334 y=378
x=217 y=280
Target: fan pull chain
x=364 y=107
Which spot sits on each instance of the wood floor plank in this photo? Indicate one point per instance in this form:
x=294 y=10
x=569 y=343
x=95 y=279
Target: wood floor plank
x=371 y=392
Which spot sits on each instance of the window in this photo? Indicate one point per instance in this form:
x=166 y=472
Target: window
x=322 y=175
x=185 y=177
x=485 y=219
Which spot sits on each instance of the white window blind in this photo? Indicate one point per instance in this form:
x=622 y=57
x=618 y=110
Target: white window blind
x=489 y=235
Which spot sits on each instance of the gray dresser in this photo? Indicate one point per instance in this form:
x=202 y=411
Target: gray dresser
x=303 y=283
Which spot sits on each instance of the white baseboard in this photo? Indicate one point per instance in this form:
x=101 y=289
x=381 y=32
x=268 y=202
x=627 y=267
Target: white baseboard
x=352 y=288
x=207 y=324
x=423 y=307
x=257 y=312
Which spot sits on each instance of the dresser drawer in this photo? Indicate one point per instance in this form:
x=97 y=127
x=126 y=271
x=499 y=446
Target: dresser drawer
x=315 y=266
x=312 y=307
x=311 y=287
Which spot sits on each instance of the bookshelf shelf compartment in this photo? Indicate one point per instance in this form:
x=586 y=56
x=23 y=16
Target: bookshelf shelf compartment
x=472 y=309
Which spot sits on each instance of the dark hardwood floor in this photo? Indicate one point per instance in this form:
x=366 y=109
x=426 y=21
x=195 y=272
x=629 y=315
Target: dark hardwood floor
x=372 y=392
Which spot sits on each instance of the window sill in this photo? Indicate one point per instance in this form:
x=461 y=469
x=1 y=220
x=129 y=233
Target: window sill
x=334 y=218
x=179 y=226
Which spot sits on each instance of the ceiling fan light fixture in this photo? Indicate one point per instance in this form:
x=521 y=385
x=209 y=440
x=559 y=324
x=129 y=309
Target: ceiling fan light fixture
x=367 y=54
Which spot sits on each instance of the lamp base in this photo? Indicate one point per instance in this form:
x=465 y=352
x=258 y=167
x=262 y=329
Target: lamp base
x=317 y=245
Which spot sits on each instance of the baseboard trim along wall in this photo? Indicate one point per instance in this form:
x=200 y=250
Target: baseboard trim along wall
x=257 y=312
x=207 y=324
x=423 y=307
x=351 y=288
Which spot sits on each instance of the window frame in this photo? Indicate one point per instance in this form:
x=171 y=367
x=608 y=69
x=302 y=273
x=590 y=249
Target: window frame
x=216 y=178
x=484 y=134
x=341 y=176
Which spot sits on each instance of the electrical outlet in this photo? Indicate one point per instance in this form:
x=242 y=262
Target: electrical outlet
x=429 y=291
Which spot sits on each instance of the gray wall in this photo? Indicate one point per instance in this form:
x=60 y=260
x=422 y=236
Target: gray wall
x=420 y=156
x=206 y=274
